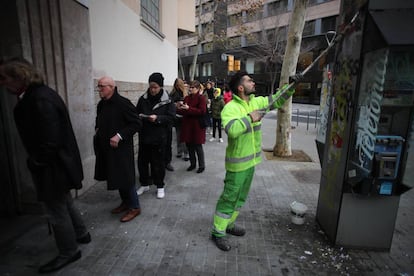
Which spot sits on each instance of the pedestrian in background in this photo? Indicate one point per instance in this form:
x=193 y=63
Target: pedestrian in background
x=116 y=124
x=157 y=112
x=209 y=94
x=168 y=145
x=54 y=161
x=177 y=95
x=227 y=94
x=217 y=105
x=193 y=133
x=242 y=122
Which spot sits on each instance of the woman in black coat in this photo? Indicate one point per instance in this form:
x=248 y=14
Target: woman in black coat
x=44 y=126
x=116 y=124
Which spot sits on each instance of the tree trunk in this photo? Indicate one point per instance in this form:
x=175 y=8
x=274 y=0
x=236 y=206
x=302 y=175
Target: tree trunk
x=181 y=68
x=194 y=63
x=283 y=145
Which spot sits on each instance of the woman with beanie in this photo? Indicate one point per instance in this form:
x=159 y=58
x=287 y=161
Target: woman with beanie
x=192 y=133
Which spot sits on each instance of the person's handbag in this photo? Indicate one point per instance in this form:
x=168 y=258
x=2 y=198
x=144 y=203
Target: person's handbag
x=203 y=120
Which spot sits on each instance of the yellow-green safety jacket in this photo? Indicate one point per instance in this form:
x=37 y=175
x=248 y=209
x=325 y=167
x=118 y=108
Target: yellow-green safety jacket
x=245 y=137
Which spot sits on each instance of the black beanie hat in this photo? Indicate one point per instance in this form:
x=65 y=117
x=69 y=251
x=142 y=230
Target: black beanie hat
x=157 y=78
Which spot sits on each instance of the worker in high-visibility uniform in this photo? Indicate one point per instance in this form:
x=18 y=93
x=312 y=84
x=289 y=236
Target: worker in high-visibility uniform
x=241 y=121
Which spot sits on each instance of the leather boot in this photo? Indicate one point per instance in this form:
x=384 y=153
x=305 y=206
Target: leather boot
x=132 y=213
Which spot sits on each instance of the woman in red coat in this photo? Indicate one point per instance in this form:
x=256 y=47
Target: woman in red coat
x=193 y=133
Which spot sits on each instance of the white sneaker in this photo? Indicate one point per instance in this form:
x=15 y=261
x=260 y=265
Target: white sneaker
x=160 y=193
x=143 y=189
x=221 y=140
x=212 y=139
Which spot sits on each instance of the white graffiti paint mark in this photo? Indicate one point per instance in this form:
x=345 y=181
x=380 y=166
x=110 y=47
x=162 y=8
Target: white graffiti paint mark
x=324 y=106
x=371 y=92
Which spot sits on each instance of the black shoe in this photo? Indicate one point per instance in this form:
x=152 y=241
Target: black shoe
x=221 y=243
x=169 y=167
x=190 y=168
x=59 y=262
x=200 y=170
x=236 y=231
x=84 y=239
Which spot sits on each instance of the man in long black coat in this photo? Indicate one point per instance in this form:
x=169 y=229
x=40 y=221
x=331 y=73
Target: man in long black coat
x=53 y=156
x=116 y=123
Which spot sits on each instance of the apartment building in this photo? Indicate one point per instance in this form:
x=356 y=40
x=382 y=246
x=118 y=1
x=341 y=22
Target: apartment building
x=255 y=36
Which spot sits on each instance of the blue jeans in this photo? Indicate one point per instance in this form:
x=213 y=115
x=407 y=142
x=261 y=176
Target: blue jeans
x=129 y=197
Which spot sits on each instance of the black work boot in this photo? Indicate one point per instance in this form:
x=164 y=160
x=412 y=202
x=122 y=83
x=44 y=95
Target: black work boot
x=221 y=242
x=236 y=231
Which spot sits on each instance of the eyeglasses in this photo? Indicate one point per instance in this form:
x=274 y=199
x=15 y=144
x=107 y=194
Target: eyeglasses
x=102 y=85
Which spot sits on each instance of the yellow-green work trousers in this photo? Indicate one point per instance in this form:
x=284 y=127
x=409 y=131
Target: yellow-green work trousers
x=233 y=197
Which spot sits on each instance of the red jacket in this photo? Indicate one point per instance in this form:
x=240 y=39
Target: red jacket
x=227 y=96
x=191 y=132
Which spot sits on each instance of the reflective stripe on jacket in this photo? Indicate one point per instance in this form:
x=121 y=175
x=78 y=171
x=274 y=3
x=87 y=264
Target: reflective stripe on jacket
x=245 y=137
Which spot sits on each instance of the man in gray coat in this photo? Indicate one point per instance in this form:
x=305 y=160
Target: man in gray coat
x=116 y=123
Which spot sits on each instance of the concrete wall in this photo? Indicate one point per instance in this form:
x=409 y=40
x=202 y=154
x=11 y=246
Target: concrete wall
x=55 y=36
x=125 y=49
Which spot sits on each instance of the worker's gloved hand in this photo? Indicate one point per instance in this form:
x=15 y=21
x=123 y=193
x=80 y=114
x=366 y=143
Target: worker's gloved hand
x=256 y=115
x=296 y=78
x=288 y=92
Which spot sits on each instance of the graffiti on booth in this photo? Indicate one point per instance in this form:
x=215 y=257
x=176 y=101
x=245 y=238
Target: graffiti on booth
x=371 y=94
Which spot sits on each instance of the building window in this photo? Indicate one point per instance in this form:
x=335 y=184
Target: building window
x=316 y=2
x=276 y=8
x=181 y=52
x=150 y=14
x=309 y=28
x=235 y=19
x=303 y=92
x=328 y=24
x=259 y=68
x=207 y=69
x=207 y=28
x=252 y=15
x=304 y=60
x=192 y=50
x=250 y=66
x=253 y=38
x=207 y=47
x=235 y=42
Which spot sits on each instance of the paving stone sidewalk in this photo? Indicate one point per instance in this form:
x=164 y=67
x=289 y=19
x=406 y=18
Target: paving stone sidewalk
x=172 y=235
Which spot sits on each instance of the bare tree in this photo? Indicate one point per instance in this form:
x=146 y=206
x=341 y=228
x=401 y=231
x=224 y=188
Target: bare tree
x=283 y=129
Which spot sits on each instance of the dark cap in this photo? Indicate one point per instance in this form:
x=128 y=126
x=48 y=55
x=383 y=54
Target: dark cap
x=157 y=78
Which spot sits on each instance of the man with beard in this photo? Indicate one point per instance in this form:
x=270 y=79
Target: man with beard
x=241 y=120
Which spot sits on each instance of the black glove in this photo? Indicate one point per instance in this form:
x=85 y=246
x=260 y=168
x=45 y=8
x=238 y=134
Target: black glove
x=296 y=78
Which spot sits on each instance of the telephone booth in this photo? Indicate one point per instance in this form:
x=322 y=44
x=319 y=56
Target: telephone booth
x=368 y=156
